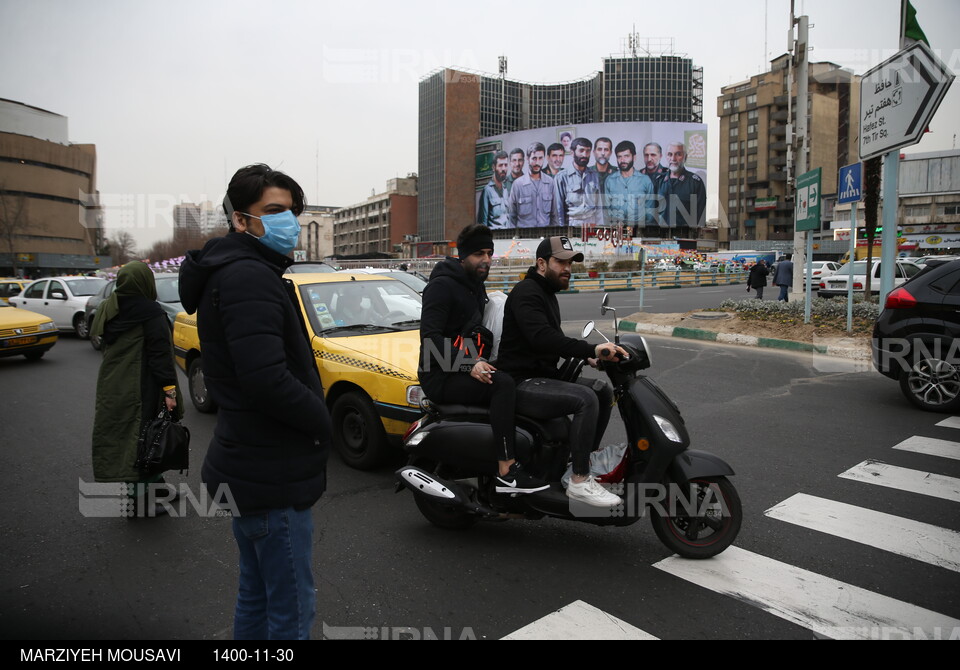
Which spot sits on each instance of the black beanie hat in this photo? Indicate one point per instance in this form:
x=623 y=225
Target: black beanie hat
x=473 y=240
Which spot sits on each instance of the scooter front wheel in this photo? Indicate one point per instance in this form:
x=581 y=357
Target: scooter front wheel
x=698 y=521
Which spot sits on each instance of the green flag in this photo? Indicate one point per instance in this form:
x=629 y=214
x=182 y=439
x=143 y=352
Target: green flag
x=911 y=28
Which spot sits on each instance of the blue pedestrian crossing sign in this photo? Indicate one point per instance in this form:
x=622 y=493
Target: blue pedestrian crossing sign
x=850 y=183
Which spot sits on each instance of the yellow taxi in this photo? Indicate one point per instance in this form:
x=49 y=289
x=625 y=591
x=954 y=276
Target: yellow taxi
x=10 y=288
x=365 y=334
x=25 y=333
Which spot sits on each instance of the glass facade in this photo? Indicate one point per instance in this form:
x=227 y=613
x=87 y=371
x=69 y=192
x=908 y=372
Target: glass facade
x=664 y=88
x=431 y=157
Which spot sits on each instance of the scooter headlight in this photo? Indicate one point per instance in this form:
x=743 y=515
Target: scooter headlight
x=668 y=429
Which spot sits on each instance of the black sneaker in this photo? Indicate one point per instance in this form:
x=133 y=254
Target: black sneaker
x=518 y=481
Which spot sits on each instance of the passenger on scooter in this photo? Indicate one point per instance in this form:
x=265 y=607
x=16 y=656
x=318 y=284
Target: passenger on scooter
x=530 y=347
x=454 y=347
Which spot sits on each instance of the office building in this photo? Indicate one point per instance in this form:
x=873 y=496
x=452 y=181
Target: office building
x=757 y=118
x=458 y=107
x=380 y=224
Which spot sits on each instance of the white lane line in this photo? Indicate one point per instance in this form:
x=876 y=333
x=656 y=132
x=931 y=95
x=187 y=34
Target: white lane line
x=579 y=621
x=952 y=422
x=905 y=537
x=826 y=606
x=931 y=447
x=915 y=481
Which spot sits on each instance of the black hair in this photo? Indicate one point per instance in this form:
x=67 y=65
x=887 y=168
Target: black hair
x=500 y=155
x=538 y=146
x=247 y=187
x=604 y=139
x=581 y=142
x=626 y=145
x=516 y=151
x=556 y=146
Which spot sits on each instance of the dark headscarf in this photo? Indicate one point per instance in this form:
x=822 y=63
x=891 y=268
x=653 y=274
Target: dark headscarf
x=133 y=301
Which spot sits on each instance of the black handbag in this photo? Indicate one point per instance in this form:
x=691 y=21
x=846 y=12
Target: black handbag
x=164 y=444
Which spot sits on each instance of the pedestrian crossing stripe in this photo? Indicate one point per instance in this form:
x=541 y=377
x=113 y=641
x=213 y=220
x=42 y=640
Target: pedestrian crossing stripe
x=952 y=422
x=904 y=537
x=579 y=621
x=905 y=479
x=931 y=447
x=826 y=606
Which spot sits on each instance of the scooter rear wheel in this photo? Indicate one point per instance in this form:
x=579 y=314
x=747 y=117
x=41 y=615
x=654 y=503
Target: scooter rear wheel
x=443 y=516
x=703 y=526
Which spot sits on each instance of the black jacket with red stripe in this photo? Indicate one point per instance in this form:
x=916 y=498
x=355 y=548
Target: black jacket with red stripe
x=452 y=335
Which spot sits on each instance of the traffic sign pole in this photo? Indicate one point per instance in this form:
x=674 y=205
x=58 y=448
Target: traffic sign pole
x=853 y=257
x=888 y=244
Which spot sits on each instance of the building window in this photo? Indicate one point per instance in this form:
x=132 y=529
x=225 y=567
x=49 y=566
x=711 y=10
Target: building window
x=752 y=99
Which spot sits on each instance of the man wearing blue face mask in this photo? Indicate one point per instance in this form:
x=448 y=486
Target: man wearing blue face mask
x=272 y=436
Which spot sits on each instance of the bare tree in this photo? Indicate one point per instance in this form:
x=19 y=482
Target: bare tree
x=13 y=221
x=123 y=247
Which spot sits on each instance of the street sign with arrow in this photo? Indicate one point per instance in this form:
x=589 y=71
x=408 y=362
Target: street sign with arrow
x=899 y=97
x=808 y=200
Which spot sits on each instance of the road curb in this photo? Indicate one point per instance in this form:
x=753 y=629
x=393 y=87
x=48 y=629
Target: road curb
x=853 y=353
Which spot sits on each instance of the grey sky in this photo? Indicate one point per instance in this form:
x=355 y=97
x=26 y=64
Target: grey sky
x=177 y=95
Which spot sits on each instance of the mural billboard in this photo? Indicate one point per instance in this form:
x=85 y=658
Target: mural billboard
x=624 y=176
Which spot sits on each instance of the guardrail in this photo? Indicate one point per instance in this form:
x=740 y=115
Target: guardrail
x=629 y=281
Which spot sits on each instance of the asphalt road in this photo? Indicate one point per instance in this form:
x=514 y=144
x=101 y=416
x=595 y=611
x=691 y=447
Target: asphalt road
x=788 y=424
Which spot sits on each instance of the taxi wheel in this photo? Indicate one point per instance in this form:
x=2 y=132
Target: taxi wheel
x=358 y=433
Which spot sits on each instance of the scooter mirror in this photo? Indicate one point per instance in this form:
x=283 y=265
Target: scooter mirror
x=604 y=303
x=587 y=329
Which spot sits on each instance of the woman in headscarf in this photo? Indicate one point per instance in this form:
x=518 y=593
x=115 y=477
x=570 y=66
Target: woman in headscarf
x=137 y=376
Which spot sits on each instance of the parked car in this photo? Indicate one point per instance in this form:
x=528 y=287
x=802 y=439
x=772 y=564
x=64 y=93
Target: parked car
x=836 y=284
x=923 y=260
x=168 y=295
x=916 y=340
x=25 y=333
x=365 y=333
x=821 y=270
x=309 y=267
x=10 y=288
x=414 y=280
x=63 y=299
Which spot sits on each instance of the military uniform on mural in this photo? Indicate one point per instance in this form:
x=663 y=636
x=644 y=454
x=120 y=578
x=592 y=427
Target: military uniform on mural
x=657 y=175
x=530 y=203
x=684 y=200
x=493 y=207
x=577 y=198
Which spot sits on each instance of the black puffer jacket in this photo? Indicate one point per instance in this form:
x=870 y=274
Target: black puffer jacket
x=533 y=341
x=273 y=430
x=453 y=305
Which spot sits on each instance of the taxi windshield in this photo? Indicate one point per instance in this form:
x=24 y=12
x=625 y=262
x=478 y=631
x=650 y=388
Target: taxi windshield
x=362 y=306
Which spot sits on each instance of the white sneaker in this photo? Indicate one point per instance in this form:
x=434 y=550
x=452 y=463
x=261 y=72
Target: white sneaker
x=590 y=492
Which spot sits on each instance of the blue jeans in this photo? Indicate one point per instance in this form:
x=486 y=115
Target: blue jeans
x=784 y=290
x=276 y=599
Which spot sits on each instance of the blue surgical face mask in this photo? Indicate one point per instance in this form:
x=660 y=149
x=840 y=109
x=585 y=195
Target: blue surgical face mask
x=281 y=232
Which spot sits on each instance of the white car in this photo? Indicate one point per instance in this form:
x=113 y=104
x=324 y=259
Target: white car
x=836 y=284
x=414 y=280
x=63 y=299
x=821 y=269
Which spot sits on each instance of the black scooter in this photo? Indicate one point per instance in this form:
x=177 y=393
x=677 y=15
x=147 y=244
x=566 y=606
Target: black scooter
x=694 y=508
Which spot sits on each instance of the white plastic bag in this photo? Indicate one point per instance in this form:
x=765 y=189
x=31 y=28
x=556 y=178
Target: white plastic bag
x=493 y=318
x=604 y=465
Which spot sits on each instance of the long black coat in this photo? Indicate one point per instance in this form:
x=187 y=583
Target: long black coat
x=273 y=429
x=758 y=276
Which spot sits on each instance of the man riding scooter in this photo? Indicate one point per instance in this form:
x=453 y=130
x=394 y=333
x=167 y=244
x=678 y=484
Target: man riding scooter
x=530 y=347
x=454 y=348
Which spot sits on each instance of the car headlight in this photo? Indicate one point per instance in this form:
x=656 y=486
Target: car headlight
x=414 y=395
x=49 y=325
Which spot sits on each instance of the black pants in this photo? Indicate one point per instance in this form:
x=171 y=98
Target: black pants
x=500 y=396
x=590 y=401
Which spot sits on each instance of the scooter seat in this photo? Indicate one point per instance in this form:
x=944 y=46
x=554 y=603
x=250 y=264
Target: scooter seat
x=469 y=412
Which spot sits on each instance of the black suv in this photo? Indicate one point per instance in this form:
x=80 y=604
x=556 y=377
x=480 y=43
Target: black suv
x=916 y=340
